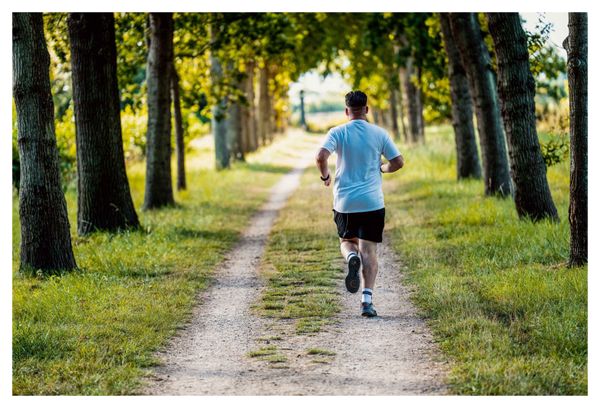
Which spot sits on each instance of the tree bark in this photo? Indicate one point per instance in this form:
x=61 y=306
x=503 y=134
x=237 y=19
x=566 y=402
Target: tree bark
x=264 y=106
x=234 y=130
x=394 y=111
x=516 y=89
x=103 y=195
x=413 y=104
x=384 y=118
x=219 y=112
x=179 y=140
x=467 y=157
x=249 y=111
x=401 y=103
x=482 y=86
x=577 y=56
x=376 y=116
x=45 y=230
x=420 y=109
x=159 y=189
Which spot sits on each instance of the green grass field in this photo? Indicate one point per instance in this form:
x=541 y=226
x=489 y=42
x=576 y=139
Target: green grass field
x=502 y=303
x=94 y=331
x=503 y=306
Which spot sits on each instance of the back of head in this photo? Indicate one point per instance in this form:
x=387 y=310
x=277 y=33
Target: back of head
x=356 y=99
x=356 y=104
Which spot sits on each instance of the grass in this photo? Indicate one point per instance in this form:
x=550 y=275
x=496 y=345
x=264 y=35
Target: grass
x=502 y=304
x=301 y=263
x=501 y=301
x=321 y=352
x=271 y=355
x=94 y=331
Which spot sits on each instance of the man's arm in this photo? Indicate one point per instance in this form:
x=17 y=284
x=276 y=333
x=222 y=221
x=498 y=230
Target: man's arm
x=393 y=165
x=321 y=160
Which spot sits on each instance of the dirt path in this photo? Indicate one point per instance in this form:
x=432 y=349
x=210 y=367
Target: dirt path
x=209 y=355
x=392 y=354
x=389 y=355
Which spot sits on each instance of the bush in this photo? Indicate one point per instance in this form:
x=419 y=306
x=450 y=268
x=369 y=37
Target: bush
x=133 y=126
x=555 y=150
x=65 y=141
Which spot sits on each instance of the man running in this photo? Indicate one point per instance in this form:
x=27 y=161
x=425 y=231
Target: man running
x=358 y=207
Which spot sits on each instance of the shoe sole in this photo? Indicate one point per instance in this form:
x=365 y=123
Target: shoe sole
x=352 y=279
x=367 y=314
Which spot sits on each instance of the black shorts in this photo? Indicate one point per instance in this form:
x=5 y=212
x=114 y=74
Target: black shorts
x=364 y=225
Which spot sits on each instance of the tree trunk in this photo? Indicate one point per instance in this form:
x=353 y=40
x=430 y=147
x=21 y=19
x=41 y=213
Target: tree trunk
x=467 y=157
x=159 y=189
x=516 y=89
x=420 y=109
x=384 y=118
x=577 y=55
x=234 y=131
x=219 y=112
x=179 y=141
x=45 y=231
x=412 y=99
x=401 y=101
x=280 y=114
x=249 y=111
x=476 y=61
x=376 y=116
x=394 y=111
x=103 y=196
x=264 y=106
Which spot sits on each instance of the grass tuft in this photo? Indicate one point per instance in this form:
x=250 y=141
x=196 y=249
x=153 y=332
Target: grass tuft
x=318 y=351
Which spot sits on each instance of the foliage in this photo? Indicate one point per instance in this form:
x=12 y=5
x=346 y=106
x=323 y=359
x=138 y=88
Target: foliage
x=555 y=149
x=65 y=142
x=503 y=305
x=547 y=66
x=130 y=36
x=57 y=40
x=133 y=129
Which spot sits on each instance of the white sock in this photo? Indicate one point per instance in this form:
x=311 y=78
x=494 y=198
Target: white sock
x=367 y=296
x=350 y=255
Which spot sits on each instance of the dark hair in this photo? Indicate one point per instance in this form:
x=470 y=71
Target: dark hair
x=356 y=99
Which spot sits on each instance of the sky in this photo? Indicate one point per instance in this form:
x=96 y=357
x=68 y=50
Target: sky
x=334 y=85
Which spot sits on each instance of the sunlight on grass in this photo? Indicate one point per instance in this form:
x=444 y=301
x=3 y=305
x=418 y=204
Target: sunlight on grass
x=94 y=331
x=501 y=301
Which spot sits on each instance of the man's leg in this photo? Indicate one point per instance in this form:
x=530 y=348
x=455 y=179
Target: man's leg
x=368 y=251
x=349 y=248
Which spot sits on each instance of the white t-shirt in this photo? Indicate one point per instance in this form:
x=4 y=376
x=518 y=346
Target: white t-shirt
x=359 y=146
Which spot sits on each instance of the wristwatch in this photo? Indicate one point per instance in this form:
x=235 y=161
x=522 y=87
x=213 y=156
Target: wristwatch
x=326 y=178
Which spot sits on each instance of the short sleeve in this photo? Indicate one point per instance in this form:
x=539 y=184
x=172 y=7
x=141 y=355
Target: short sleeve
x=330 y=143
x=389 y=151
